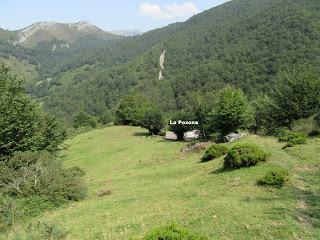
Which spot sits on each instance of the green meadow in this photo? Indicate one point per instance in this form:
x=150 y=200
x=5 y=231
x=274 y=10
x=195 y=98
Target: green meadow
x=153 y=183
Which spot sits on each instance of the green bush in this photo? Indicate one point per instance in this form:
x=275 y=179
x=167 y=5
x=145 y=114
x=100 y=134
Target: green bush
x=76 y=172
x=244 y=155
x=106 y=118
x=8 y=212
x=83 y=119
x=172 y=232
x=35 y=205
x=31 y=174
x=214 y=151
x=42 y=230
x=293 y=138
x=276 y=177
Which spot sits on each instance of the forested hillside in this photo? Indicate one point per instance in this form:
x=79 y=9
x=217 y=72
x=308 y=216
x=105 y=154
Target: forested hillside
x=243 y=42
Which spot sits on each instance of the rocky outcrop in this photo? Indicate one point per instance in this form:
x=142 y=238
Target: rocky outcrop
x=234 y=137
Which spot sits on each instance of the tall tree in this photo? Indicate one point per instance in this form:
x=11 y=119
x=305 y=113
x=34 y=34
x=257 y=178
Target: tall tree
x=232 y=111
x=23 y=125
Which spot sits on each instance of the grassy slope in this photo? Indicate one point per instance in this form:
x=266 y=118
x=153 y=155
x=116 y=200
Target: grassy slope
x=153 y=183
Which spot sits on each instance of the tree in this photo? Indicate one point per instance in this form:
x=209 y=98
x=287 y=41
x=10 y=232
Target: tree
x=106 y=118
x=82 y=119
x=132 y=109
x=180 y=129
x=232 y=111
x=297 y=96
x=23 y=124
x=153 y=121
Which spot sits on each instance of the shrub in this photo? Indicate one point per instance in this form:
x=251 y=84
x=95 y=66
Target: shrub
x=8 y=212
x=293 y=138
x=173 y=232
x=76 y=172
x=42 y=230
x=244 y=155
x=106 y=118
x=82 y=119
x=153 y=121
x=32 y=174
x=214 y=151
x=276 y=177
x=35 y=205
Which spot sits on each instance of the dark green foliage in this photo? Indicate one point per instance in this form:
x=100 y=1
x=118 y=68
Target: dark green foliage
x=317 y=119
x=153 y=121
x=232 y=111
x=132 y=109
x=244 y=155
x=293 y=138
x=172 y=232
x=23 y=126
x=82 y=119
x=244 y=43
x=106 y=118
x=214 y=151
x=314 y=133
x=297 y=96
x=276 y=177
x=180 y=129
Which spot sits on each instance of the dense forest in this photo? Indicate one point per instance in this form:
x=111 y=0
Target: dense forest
x=243 y=43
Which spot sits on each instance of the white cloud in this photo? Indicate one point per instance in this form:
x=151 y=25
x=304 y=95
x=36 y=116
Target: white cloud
x=169 y=11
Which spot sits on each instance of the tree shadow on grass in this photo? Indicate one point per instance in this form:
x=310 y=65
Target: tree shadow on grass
x=141 y=134
x=309 y=199
x=221 y=170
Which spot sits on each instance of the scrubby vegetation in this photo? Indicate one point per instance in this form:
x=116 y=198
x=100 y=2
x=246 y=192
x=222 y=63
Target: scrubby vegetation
x=173 y=232
x=32 y=178
x=276 y=177
x=214 y=151
x=244 y=155
x=292 y=138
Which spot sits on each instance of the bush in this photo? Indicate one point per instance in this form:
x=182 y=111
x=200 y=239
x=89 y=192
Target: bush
x=173 y=232
x=153 y=121
x=42 y=230
x=82 y=119
x=214 y=151
x=76 y=172
x=276 y=177
x=8 y=212
x=293 y=138
x=106 y=118
x=244 y=155
x=31 y=174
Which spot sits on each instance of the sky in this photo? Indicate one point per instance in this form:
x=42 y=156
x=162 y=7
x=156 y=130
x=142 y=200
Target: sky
x=109 y=15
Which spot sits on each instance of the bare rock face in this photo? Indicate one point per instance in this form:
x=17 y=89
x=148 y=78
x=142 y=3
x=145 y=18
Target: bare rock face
x=70 y=32
x=161 y=63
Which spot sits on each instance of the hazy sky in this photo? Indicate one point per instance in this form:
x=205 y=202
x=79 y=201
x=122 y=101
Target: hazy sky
x=109 y=15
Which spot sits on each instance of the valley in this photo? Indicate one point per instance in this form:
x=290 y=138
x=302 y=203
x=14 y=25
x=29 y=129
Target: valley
x=152 y=183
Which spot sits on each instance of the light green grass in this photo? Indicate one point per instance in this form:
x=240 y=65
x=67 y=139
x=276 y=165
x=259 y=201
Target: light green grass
x=154 y=183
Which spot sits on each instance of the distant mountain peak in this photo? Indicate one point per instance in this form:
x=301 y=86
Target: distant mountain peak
x=46 y=31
